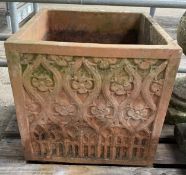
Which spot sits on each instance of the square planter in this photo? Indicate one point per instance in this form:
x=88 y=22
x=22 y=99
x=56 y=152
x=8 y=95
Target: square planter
x=91 y=86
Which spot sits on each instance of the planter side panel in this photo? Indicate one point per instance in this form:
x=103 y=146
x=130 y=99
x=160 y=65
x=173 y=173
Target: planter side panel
x=91 y=110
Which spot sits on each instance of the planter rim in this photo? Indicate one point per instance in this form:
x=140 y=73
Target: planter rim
x=93 y=50
x=18 y=44
x=15 y=39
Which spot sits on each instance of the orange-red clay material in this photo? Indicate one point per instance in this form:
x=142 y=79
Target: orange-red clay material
x=91 y=86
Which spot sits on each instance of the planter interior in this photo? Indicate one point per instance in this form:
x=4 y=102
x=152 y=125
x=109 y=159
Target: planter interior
x=91 y=87
x=95 y=27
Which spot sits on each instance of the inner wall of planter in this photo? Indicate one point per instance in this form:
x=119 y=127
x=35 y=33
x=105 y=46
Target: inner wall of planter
x=104 y=28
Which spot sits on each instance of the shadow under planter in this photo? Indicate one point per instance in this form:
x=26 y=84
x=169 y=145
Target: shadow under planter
x=91 y=86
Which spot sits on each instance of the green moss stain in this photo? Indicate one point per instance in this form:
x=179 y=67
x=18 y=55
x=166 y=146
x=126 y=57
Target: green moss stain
x=40 y=70
x=23 y=67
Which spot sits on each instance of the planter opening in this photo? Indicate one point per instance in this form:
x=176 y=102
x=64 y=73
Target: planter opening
x=103 y=28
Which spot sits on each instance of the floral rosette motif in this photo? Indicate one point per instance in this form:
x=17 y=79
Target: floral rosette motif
x=42 y=82
x=60 y=60
x=65 y=109
x=64 y=112
x=145 y=63
x=137 y=112
x=105 y=63
x=82 y=83
x=121 y=84
x=101 y=111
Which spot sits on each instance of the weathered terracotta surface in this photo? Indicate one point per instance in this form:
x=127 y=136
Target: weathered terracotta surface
x=88 y=102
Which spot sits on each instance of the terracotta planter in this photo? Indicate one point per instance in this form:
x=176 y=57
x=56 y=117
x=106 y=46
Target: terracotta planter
x=91 y=87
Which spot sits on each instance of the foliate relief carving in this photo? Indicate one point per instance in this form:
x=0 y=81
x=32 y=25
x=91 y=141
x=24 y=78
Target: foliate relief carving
x=82 y=83
x=121 y=83
x=65 y=109
x=101 y=111
x=83 y=107
x=137 y=112
x=105 y=63
x=156 y=87
x=145 y=63
x=42 y=82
